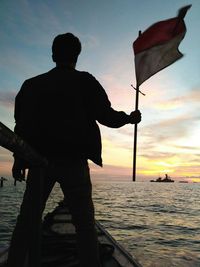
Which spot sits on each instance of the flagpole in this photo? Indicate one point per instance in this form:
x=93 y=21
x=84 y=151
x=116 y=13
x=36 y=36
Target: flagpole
x=135 y=131
x=143 y=47
x=135 y=136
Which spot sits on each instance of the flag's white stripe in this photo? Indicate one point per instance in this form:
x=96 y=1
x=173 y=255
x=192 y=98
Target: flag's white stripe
x=152 y=60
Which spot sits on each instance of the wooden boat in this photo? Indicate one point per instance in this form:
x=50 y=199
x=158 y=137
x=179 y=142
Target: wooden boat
x=59 y=243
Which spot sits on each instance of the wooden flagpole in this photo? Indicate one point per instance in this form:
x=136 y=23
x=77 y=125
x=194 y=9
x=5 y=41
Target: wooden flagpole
x=135 y=136
x=135 y=131
x=181 y=14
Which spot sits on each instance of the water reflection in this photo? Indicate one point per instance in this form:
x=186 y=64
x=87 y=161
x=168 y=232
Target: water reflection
x=157 y=223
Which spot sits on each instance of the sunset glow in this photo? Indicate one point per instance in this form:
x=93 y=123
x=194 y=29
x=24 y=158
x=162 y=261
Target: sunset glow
x=168 y=136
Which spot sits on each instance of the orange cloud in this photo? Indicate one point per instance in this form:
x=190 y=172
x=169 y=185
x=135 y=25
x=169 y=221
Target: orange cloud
x=195 y=180
x=192 y=96
x=110 y=173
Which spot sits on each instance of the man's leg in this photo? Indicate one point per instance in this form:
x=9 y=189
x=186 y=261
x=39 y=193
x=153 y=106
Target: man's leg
x=77 y=188
x=23 y=231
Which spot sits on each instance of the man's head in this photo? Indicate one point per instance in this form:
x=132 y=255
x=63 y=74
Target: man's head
x=66 y=48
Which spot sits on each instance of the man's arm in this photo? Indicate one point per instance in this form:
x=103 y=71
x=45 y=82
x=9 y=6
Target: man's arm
x=116 y=119
x=102 y=110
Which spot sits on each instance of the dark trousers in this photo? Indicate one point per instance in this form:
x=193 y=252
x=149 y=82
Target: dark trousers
x=74 y=179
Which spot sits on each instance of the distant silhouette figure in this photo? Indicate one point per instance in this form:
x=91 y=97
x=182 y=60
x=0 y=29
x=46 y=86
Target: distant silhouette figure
x=56 y=113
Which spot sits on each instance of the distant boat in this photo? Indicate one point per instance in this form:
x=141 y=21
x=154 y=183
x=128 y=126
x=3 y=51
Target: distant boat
x=167 y=179
x=183 y=182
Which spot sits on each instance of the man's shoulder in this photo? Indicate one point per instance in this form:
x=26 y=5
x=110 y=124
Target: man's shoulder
x=85 y=74
x=39 y=77
x=87 y=77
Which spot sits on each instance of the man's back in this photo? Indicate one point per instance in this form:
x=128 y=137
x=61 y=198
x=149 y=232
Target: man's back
x=55 y=112
x=51 y=110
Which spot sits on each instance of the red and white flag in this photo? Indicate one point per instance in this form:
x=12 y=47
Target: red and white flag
x=157 y=47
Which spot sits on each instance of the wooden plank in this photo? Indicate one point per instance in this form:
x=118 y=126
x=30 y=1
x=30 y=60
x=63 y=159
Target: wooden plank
x=120 y=254
x=14 y=143
x=3 y=256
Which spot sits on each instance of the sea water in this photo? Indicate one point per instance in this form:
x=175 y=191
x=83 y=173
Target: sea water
x=158 y=223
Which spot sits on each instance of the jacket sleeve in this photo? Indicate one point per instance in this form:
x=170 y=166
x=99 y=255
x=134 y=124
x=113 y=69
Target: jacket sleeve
x=101 y=107
x=19 y=112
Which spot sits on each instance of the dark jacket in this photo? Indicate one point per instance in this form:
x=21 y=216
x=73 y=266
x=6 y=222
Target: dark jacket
x=56 y=113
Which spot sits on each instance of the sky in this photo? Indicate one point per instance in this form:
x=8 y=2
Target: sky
x=168 y=136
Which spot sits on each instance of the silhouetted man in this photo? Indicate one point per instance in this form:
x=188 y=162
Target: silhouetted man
x=56 y=113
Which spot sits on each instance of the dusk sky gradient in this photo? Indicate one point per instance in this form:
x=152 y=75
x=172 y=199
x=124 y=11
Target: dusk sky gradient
x=168 y=136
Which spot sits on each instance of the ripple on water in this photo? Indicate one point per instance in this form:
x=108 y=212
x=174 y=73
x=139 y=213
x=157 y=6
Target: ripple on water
x=157 y=223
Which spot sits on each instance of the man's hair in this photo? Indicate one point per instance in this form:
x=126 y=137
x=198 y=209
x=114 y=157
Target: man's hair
x=66 y=48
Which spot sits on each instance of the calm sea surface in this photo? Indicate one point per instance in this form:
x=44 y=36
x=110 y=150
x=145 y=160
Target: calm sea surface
x=159 y=224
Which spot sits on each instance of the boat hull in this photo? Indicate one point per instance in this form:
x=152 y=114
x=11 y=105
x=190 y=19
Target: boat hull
x=59 y=244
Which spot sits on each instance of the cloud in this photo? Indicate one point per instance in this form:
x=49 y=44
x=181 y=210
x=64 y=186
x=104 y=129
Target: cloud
x=187 y=148
x=171 y=129
x=111 y=173
x=188 y=171
x=89 y=41
x=166 y=129
x=31 y=23
x=156 y=156
x=175 y=127
x=7 y=99
x=169 y=105
x=191 y=97
x=19 y=65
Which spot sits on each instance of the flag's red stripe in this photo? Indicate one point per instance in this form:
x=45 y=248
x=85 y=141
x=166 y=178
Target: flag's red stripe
x=159 y=33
